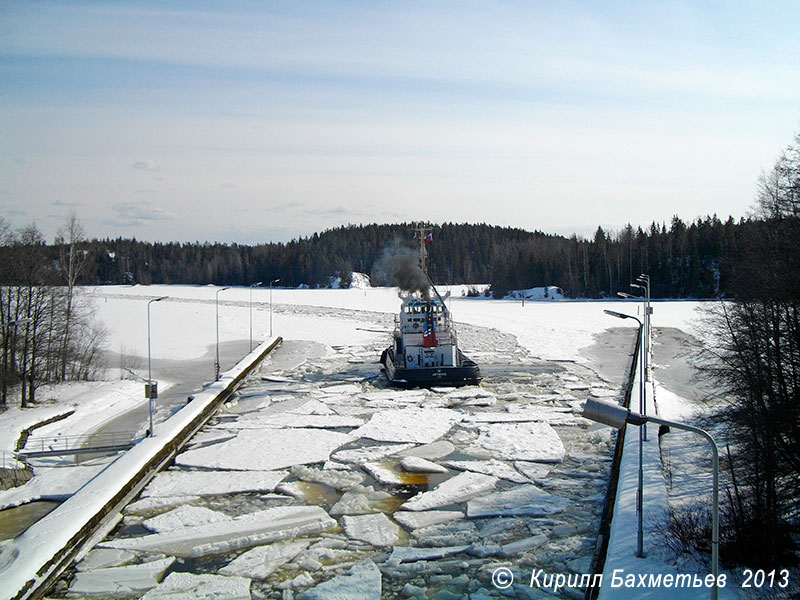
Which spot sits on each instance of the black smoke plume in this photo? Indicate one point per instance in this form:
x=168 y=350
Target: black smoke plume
x=399 y=265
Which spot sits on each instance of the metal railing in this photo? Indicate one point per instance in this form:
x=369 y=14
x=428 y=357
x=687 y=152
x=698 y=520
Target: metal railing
x=78 y=444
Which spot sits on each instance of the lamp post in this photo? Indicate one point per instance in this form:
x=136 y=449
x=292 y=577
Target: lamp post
x=645 y=340
x=645 y=279
x=270 y=304
x=616 y=416
x=152 y=392
x=642 y=437
x=251 y=313
x=216 y=366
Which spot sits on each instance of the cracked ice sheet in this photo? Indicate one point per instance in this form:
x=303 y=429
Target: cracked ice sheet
x=266 y=450
x=374 y=529
x=460 y=488
x=522 y=500
x=187 y=586
x=245 y=531
x=519 y=441
x=184 y=516
x=361 y=582
x=419 y=425
x=263 y=561
x=212 y=483
x=119 y=581
x=297 y=420
x=495 y=468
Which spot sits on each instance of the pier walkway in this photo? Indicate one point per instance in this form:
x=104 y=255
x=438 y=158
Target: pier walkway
x=32 y=562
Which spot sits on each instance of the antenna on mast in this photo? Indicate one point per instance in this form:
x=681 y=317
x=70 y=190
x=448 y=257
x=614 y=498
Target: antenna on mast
x=423 y=232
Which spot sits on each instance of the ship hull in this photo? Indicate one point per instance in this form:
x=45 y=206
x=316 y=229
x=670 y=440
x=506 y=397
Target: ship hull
x=467 y=373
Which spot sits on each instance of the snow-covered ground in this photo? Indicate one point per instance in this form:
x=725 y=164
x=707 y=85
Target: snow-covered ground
x=523 y=478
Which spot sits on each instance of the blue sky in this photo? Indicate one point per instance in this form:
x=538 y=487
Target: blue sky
x=260 y=121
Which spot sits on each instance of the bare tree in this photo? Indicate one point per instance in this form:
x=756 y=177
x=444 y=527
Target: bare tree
x=72 y=259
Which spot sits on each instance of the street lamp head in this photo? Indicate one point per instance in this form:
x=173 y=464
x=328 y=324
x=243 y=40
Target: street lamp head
x=624 y=295
x=643 y=277
x=161 y=298
x=619 y=315
x=257 y=283
x=611 y=414
x=274 y=281
x=636 y=285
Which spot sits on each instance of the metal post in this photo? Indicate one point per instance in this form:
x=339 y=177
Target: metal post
x=714 y=495
x=216 y=365
x=150 y=399
x=270 y=304
x=251 y=313
x=642 y=438
x=616 y=416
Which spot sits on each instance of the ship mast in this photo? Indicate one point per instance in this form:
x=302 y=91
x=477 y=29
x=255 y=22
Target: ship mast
x=422 y=232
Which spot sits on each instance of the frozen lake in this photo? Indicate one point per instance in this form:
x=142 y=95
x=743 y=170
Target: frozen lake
x=318 y=436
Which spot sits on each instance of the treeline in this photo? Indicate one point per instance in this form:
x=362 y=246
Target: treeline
x=683 y=260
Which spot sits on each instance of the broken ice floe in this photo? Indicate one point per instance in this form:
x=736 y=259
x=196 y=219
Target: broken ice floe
x=119 y=581
x=156 y=505
x=338 y=480
x=492 y=467
x=256 y=450
x=419 y=425
x=414 y=464
x=415 y=520
x=212 y=483
x=245 y=531
x=360 y=500
x=359 y=456
x=375 y=529
x=282 y=420
x=432 y=451
x=446 y=534
x=102 y=558
x=262 y=561
x=361 y=582
x=183 y=516
x=460 y=488
x=533 y=470
x=410 y=554
x=518 y=441
x=187 y=586
x=386 y=474
x=523 y=500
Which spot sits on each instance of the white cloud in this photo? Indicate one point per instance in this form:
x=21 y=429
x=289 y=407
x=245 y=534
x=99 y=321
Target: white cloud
x=147 y=165
x=137 y=213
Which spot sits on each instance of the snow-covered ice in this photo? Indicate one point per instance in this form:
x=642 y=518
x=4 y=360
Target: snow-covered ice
x=119 y=581
x=492 y=467
x=212 y=483
x=418 y=425
x=361 y=582
x=262 y=561
x=414 y=464
x=183 y=516
x=246 y=531
x=519 y=441
x=256 y=450
x=374 y=529
x=523 y=500
x=415 y=520
x=188 y=586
